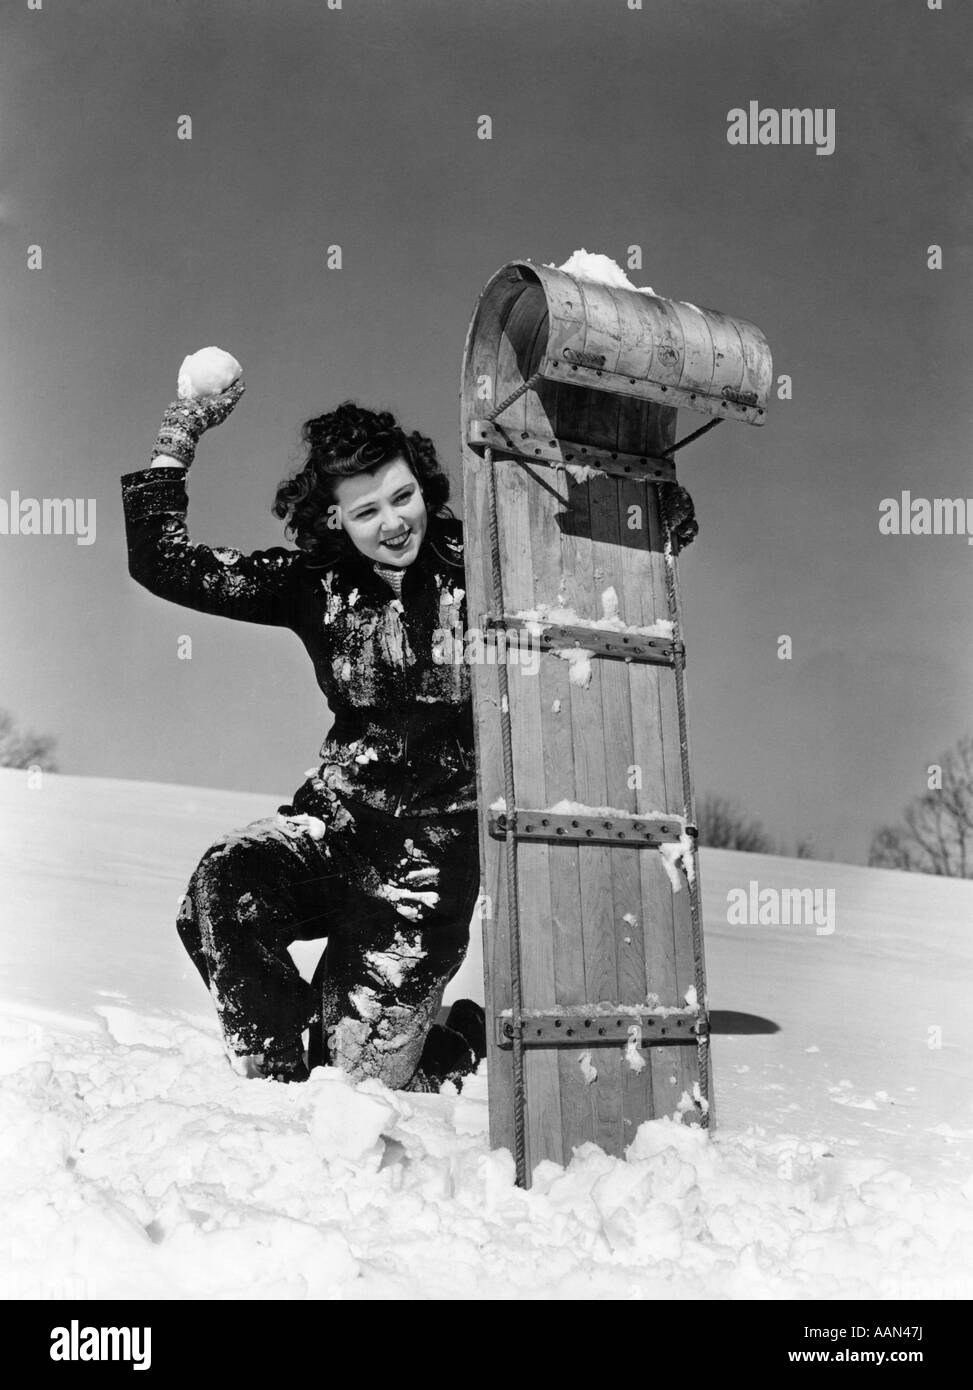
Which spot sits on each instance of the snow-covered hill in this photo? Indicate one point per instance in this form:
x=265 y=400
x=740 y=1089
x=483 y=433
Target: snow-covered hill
x=136 y=1164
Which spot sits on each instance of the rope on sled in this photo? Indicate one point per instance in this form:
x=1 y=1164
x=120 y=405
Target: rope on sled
x=510 y=846
x=510 y=842
x=521 y=390
x=671 y=523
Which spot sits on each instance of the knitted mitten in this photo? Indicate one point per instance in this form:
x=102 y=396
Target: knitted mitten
x=679 y=511
x=185 y=421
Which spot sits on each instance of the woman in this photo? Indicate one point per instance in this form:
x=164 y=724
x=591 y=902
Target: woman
x=378 y=851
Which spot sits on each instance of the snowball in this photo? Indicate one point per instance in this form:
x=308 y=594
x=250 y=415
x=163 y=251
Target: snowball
x=206 y=373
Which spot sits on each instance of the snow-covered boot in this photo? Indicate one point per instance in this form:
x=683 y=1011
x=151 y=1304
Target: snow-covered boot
x=280 y=1065
x=446 y=1054
x=468 y=1019
x=421 y=1082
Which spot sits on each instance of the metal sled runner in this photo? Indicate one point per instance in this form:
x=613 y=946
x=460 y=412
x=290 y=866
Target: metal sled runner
x=592 y=932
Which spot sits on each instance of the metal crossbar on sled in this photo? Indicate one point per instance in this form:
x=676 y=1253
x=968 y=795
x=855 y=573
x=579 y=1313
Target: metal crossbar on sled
x=592 y=934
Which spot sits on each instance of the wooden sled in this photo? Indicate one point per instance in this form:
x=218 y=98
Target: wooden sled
x=592 y=934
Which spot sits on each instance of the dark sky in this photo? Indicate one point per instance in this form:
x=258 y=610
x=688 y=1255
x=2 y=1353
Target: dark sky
x=357 y=126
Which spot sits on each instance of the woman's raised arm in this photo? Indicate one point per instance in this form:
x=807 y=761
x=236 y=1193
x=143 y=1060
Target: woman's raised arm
x=257 y=588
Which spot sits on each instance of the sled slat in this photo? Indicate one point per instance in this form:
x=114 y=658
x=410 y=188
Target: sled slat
x=670 y=969
x=616 y=646
x=519 y=525
x=504 y=438
x=564 y=828
x=596 y=751
x=494 y=918
x=587 y=1027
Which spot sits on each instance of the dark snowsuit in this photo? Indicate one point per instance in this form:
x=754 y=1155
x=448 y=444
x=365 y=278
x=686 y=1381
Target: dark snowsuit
x=378 y=848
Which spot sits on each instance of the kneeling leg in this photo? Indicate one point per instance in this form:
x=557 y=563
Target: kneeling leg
x=253 y=893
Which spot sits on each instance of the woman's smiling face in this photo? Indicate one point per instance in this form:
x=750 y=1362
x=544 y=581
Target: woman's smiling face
x=383 y=513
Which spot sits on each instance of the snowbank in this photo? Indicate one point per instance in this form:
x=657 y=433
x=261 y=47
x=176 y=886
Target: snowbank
x=137 y=1164
x=145 y=1168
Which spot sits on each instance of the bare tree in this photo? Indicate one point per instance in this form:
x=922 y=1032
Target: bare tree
x=723 y=825
x=935 y=835
x=24 y=749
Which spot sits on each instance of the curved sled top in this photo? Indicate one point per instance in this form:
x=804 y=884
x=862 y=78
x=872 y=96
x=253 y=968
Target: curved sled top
x=626 y=342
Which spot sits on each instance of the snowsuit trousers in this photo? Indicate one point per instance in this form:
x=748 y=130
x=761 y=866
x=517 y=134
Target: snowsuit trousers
x=394 y=897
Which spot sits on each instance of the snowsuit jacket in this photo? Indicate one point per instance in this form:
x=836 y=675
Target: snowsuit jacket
x=402 y=738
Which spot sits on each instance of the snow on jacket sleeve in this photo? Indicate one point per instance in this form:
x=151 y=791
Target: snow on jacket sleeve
x=257 y=588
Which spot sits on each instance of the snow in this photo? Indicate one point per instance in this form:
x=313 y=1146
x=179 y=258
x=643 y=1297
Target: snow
x=206 y=373
x=406 y=902
x=676 y=854
x=393 y=965
x=137 y=1164
x=581 y=472
x=314 y=825
x=579 y=659
x=564 y=807
x=546 y=615
x=592 y=265
x=605 y=1009
x=603 y=270
x=633 y=1049
x=679 y=854
x=347 y=1122
x=537 y=620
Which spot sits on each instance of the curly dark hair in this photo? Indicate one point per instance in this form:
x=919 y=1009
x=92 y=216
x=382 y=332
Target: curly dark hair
x=351 y=440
